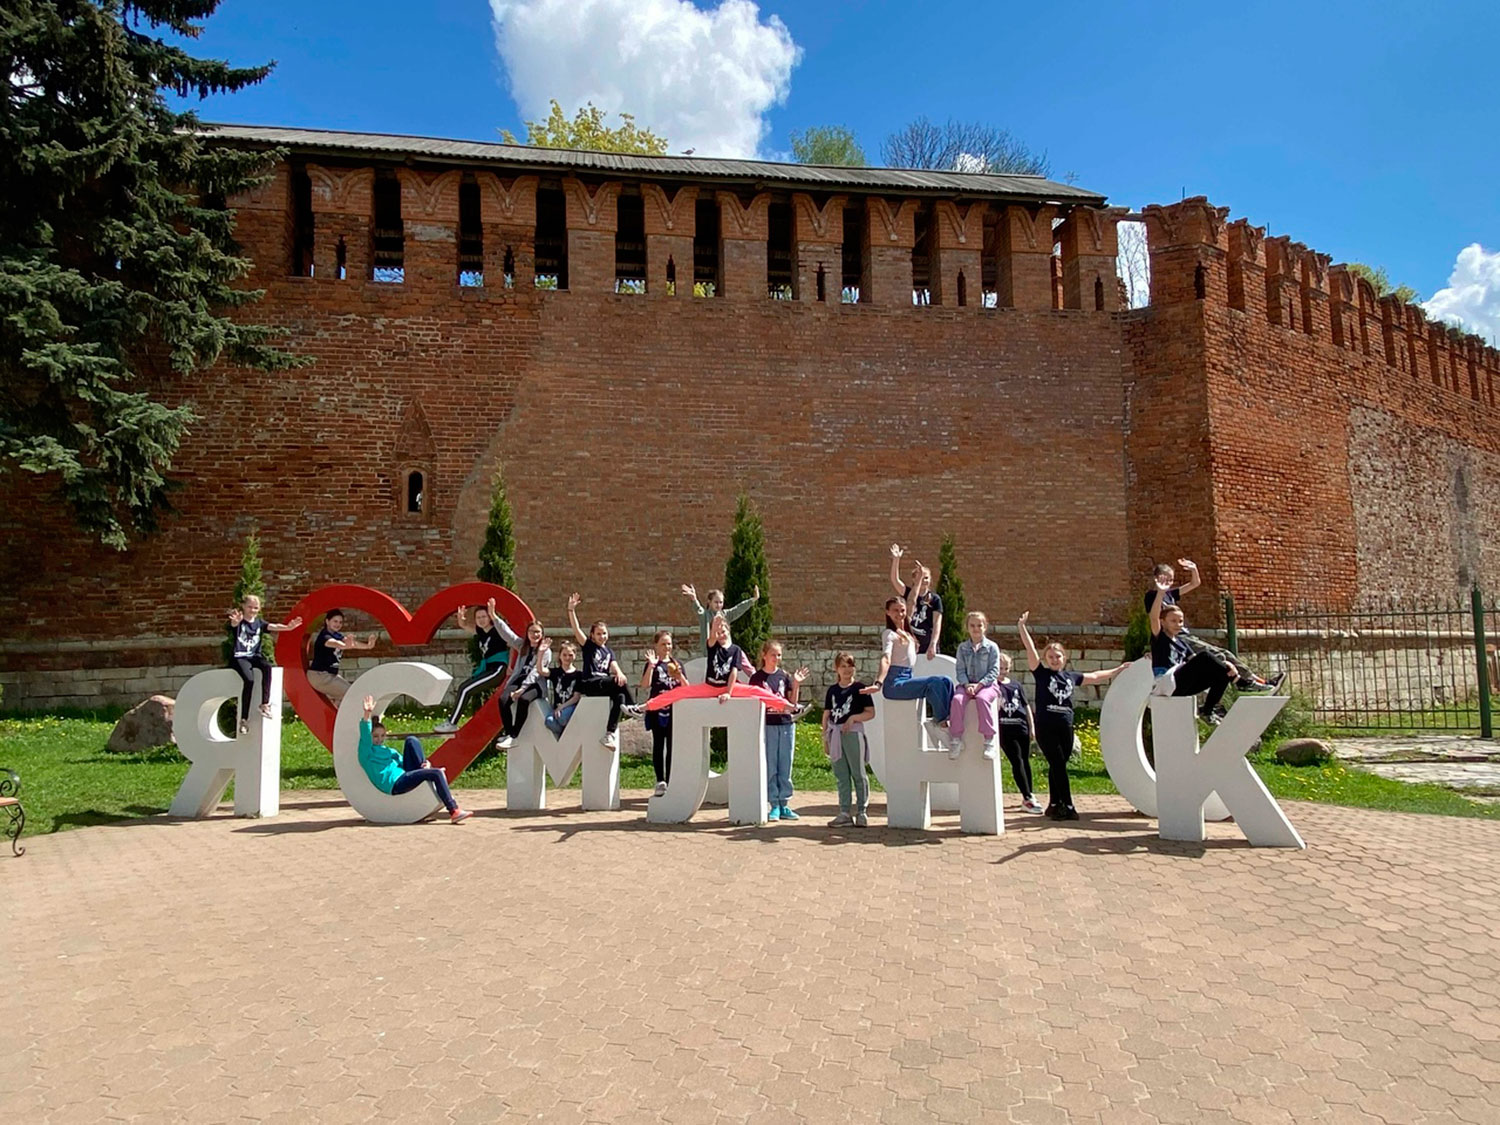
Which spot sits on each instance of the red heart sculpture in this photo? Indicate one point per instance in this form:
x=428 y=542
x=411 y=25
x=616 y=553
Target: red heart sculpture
x=404 y=629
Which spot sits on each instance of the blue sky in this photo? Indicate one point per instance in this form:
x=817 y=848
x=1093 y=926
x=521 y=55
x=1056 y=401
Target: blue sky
x=1365 y=131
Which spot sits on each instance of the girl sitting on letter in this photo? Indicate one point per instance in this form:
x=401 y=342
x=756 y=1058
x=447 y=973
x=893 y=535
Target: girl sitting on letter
x=601 y=673
x=396 y=772
x=495 y=639
x=521 y=685
x=978 y=673
x=249 y=627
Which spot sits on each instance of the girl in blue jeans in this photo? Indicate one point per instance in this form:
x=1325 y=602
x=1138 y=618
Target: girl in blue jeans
x=780 y=739
x=898 y=652
x=395 y=773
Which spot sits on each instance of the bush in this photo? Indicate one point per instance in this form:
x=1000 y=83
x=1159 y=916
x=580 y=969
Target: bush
x=950 y=587
x=249 y=582
x=1137 y=635
x=743 y=573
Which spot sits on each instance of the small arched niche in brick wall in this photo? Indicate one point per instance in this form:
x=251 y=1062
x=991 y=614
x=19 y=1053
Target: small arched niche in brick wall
x=414 y=492
x=416 y=454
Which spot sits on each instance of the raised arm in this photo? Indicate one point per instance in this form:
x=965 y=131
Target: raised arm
x=1194 y=578
x=1032 y=659
x=507 y=634
x=651 y=658
x=734 y=613
x=896 y=553
x=691 y=591
x=578 y=634
x=1154 y=615
x=797 y=677
x=294 y=623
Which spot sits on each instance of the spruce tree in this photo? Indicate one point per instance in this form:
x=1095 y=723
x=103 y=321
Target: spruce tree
x=497 y=556
x=745 y=570
x=118 y=266
x=950 y=587
x=249 y=582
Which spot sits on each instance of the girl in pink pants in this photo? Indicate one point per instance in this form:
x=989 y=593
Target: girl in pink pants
x=977 y=679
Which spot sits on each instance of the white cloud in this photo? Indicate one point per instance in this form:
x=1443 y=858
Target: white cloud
x=702 y=79
x=1472 y=298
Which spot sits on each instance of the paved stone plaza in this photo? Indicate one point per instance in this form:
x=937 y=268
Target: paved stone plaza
x=572 y=966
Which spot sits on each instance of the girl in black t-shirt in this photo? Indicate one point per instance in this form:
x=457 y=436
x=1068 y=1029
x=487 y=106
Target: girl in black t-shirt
x=1179 y=670
x=246 y=657
x=662 y=673
x=1054 y=714
x=528 y=669
x=494 y=639
x=1017 y=725
x=601 y=673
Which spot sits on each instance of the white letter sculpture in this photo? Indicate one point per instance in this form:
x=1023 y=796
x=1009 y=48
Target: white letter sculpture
x=426 y=683
x=1122 y=747
x=692 y=720
x=538 y=752
x=942 y=796
x=912 y=768
x=252 y=760
x=1186 y=775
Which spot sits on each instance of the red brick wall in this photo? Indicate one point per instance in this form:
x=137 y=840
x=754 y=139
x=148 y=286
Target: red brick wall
x=626 y=427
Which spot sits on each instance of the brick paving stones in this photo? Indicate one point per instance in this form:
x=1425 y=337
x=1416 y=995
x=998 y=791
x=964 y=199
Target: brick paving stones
x=580 y=967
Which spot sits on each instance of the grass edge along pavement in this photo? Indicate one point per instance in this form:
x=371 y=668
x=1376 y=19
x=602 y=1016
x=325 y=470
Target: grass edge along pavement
x=68 y=779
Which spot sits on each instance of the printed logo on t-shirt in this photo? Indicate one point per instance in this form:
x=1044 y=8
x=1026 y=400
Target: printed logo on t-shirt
x=1061 y=688
x=600 y=664
x=1011 y=708
x=721 y=662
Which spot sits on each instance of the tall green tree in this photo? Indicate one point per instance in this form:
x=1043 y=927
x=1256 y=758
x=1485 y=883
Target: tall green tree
x=1381 y=281
x=950 y=587
x=828 y=144
x=118 y=266
x=746 y=569
x=497 y=555
x=589 y=130
x=249 y=582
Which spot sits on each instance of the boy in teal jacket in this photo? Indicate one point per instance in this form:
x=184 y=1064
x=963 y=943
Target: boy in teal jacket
x=393 y=771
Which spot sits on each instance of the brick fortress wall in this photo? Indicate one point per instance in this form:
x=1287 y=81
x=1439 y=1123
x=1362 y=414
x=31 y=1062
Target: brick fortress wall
x=626 y=425
x=1266 y=415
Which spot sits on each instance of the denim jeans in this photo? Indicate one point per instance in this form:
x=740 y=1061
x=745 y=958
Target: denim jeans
x=412 y=758
x=559 y=718
x=779 y=762
x=937 y=690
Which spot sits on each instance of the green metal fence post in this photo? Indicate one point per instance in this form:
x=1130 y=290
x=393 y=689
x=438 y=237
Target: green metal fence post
x=1486 y=726
x=1231 y=631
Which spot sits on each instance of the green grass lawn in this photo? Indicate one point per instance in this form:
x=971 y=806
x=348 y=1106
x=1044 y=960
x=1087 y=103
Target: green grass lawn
x=69 y=780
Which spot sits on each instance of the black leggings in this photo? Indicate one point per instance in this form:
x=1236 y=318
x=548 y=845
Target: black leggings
x=513 y=713
x=1016 y=742
x=1231 y=663
x=661 y=751
x=1202 y=673
x=245 y=666
x=411 y=761
x=482 y=679
x=618 y=695
x=1056 y=741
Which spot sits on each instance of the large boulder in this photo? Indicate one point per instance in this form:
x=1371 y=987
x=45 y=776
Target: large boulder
x=145 y=725
x=1304 y=752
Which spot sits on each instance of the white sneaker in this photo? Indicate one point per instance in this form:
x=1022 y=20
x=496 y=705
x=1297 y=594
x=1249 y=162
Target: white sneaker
x=633 y=710
x=661 y=789
x=955 y=747
x=504 y=742
x=1031 y=804
x=611 y=740
x=445 y=728
x=991 y=749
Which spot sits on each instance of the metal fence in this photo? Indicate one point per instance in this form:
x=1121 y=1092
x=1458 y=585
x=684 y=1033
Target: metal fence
x=1417 y=667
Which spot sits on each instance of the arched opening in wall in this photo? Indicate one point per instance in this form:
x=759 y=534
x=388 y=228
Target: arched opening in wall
x=706 y=248
x=388 y=237
x=630 y=242
x=921 y=256
x=779 y=252
x=551 y=238
x=963 y=289
x=416 y=492
x=1098 y=293
x=301 y=264
x=852 y=258
x=822 y=283
x=470 y=234
x=508 y=268
x=340 y=259
x=1200 y=281
x=671 y=276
